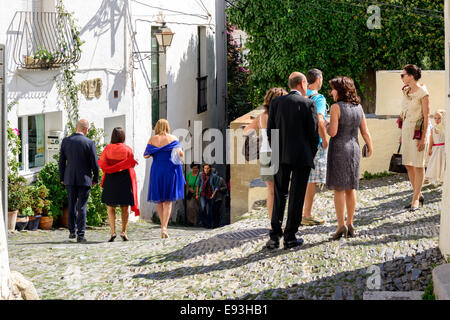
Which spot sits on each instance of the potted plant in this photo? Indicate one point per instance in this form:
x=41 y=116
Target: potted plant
x=57 y=194
x=23 y=218
x=30 y=62
x=38 y=194
x=45 y=58
x=46 y=221
x=16 y=197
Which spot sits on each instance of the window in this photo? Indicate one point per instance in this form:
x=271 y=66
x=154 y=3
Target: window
x=158 y=81
x=202 y=90
x=202 y=78
x=155 y=77
x=32 y=130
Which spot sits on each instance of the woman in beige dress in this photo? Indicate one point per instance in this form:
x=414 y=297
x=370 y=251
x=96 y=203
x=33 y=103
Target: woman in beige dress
x=260 y=123
x=415 y=110
x=436 y=165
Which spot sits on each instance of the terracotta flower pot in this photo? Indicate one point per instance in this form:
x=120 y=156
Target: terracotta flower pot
x=12 y=217
x=64 y=219
x=46 y=223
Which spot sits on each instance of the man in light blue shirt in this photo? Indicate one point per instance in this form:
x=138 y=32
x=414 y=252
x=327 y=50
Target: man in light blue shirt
x=319 y=174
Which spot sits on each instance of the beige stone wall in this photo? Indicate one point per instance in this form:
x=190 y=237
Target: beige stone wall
x=444 y=236
x=385 y=138
x=389 y=94
x=241 y=174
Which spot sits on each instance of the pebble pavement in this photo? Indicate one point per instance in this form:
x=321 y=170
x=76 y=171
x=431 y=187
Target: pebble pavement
x=394 y=250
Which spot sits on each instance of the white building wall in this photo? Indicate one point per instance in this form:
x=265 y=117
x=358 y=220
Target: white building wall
x=112 y=29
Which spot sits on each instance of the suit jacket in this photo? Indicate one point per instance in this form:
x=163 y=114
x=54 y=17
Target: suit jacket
x=78 y=161
x=296 y=119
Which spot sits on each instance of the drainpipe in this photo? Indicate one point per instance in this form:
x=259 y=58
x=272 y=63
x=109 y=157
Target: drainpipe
x=4 y=139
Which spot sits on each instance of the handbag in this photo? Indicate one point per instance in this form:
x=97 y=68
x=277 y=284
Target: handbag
x=250 y=149
x=364 y=151
x=396 y=162
x=418 y=130
x=400 y=122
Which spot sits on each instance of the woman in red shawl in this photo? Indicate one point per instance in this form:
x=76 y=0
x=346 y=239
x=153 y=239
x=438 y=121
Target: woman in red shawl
x=119 y=181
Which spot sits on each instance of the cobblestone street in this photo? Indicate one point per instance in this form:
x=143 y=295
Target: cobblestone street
x=231 y=262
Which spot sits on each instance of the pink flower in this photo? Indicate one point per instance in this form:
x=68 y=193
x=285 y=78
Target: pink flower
x=16 y=131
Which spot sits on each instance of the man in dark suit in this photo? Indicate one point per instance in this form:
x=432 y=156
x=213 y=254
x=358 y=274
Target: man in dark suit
x=295 y=117
x=77 y=165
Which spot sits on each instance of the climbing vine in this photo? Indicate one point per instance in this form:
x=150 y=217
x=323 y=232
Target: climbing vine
x=68 y=90
x=238 y=75
x=14 y=146
x=332 y=35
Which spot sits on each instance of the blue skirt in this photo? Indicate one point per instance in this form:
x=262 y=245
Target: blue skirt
x=166 y=182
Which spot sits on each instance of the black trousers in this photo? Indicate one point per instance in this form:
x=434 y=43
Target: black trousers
x=298 y=177
x=218 y=213
x=78 y=199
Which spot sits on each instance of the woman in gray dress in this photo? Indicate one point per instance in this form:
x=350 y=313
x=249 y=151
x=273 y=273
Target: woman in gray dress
x=344 y=154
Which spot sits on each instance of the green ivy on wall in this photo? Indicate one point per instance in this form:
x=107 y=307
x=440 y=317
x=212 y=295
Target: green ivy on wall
x=68 y=90
x=332 y=35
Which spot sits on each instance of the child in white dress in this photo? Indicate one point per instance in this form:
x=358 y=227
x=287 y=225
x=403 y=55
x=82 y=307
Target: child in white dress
x=436 y=149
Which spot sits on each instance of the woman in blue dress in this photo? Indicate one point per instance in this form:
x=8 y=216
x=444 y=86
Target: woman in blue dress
x=166 y=175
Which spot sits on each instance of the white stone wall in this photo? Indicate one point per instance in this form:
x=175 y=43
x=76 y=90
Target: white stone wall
x=112 y=30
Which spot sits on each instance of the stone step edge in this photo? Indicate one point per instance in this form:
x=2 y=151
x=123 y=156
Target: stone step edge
x=392 y=295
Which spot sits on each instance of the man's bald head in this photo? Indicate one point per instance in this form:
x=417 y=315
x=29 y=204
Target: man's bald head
x=83 y=126
x=297 y=81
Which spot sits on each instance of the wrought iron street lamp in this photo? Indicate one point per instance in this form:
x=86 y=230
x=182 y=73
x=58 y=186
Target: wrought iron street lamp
x=164 y=36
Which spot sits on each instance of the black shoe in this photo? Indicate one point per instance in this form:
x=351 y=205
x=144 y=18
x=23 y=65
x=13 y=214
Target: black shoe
x=124 y=237
x=292 y=243
x=272 y=244
x=421 y=200
x=113 y=237
x=81 y=240
x=412 y=209
x=72 y=235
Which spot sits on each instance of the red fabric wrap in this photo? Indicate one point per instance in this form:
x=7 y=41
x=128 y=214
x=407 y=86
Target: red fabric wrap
x=118 y=157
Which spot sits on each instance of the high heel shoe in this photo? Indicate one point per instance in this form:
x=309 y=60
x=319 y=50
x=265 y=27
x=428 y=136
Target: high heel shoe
x=124 y=237
x=351 y=231
x=421 y=201
x=164 y=234
x=343 y=231
x=113 y=236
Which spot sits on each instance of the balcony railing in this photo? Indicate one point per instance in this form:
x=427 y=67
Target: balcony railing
x=202 y=91
x=43 y=40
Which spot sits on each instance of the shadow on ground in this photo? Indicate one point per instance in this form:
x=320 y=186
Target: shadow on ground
x=218 y=243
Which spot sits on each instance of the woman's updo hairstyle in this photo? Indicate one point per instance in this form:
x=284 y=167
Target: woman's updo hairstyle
x=414 y=71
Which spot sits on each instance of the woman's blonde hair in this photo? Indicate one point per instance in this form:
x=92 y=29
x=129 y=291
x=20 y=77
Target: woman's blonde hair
x=162 y=127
